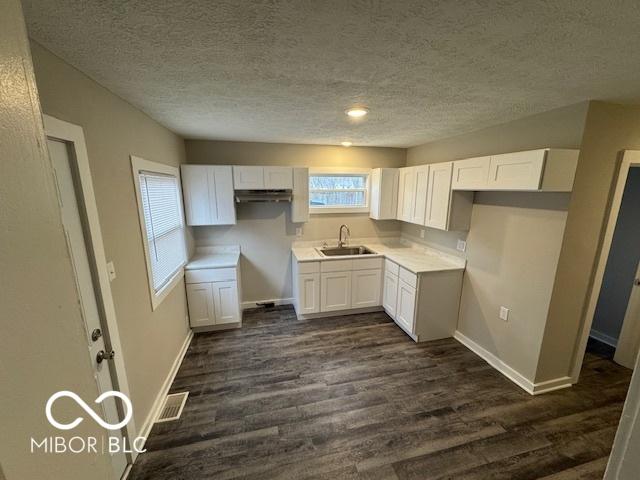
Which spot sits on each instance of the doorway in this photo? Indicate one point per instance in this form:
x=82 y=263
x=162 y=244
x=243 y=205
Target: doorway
x=613 y=315
x=67 y=152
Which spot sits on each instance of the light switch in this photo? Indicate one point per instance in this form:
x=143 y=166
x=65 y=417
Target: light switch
x=112 y=271
x=504 y=313
x=462 y=245
x=299 y=232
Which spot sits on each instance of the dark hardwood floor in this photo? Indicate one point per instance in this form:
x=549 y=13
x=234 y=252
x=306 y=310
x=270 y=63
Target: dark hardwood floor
x=354 y=398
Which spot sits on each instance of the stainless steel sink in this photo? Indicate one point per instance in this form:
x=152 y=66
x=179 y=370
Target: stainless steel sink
x=341 y=251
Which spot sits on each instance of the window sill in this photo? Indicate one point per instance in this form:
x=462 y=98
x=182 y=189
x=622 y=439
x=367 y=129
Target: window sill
x=159 y=296
x=337 y=210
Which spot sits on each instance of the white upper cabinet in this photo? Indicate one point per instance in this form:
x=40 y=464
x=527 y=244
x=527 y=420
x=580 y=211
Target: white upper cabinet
x=248 y=178
x=262 y=178
x=420 y=196
x=300 y=200
x=208 y=195
x=406 y=193
x=384 y=193
x=516 y=171
x=278 y=178
x=438 y=195
x=471 y=173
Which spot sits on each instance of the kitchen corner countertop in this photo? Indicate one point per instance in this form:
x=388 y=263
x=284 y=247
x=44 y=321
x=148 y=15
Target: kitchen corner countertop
x=214 y=257
x=417 y=259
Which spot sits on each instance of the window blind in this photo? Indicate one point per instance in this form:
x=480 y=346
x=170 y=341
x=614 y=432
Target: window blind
x=163 y=224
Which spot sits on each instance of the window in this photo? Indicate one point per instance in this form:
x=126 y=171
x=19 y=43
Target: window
x=338 y=191
x=162 y=224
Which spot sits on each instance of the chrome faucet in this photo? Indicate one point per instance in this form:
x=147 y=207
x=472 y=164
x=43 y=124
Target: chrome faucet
x=340 y=242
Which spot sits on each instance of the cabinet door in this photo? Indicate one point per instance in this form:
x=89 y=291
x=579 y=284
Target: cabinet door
x=406 y=198
x=200 y=303
x=471 y=173
x=365 y=288
x=406 y=306
x=225 y=302
x=517 y=171
x=308 y=291
x=278 y=178
x=390 y=294
x=222 y=206
x=248 y=178
x=438 y=195
x=335 y=291
x=195 y=189
x=384 y=193
x=300 y=200
x=420 y=194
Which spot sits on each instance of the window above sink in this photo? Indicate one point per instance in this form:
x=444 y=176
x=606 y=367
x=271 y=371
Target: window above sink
x=339 y=190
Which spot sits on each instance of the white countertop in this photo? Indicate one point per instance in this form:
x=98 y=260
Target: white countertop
x=415 y=258
x=214 y=257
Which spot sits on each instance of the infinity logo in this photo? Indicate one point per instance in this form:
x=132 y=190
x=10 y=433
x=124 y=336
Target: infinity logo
x=89 y=410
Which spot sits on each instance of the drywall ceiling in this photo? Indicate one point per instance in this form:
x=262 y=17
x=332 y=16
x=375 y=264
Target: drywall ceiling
x=285 y=71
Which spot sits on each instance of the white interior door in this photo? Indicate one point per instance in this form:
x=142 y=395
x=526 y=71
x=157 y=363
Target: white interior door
x=73 y=228
x=629 y=341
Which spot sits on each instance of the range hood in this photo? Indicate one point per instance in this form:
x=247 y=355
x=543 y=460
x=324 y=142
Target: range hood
x=262 y=196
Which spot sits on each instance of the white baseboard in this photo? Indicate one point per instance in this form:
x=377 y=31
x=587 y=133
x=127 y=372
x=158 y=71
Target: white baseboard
x=513 y=375
x=164 y=390
x=277 y=301
x=604 y=338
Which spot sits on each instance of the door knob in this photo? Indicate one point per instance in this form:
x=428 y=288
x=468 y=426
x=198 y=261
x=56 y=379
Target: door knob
x=102 y=355
x=96 y=334
x=636 y=281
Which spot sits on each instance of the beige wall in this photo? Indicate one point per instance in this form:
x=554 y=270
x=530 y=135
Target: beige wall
x=265 y=231
x=114 y=130
x=609 y=129
x=44 y=347
x=514 y=240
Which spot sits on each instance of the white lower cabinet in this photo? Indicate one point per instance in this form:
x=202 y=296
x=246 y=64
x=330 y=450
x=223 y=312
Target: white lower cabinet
x=213 y=297
x=365 y=288
x=225 y=302
x=308 y=293
x=200 y=301
x=335 y=291
x=390 y=293
x=406 y=306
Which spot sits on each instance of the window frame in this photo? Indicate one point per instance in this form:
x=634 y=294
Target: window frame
x=341 y=171
x=139 y=165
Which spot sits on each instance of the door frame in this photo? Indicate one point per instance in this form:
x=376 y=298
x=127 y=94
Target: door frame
x=625 y=350
x=630 y=158
x=73 y=135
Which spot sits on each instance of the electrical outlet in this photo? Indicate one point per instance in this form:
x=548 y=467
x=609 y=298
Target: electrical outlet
x=299 y=232
x=111 y=269
x=462 y=245
x=422 y=233
x=504 y=313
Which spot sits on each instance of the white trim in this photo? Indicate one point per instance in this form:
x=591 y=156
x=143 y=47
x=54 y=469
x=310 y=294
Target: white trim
x=158 y=403
x=339 y=313
x=513 y=375
x=336 y=210
x=604 y=338
x=277 y=301
x=631 y=158
x=74 y=134
x=139 y=165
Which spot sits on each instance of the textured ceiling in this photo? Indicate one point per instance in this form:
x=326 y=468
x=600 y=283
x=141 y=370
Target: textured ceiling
x=285 y=71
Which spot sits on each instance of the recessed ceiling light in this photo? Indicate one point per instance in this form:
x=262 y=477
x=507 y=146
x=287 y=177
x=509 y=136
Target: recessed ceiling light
x=346 y=144
x=357 y=112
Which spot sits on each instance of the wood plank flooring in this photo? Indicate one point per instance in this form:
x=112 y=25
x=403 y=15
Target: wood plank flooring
x=354 y=398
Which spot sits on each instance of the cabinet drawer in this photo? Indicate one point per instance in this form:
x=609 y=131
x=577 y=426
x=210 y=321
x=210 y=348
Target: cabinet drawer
x=308 y=267
x=408 y=277
x=367 y=263
x=336 y=266
x=391 y=267
x=210 y=275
